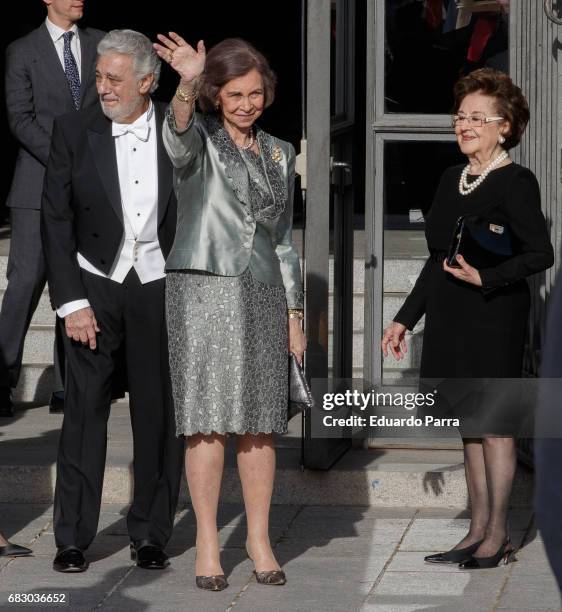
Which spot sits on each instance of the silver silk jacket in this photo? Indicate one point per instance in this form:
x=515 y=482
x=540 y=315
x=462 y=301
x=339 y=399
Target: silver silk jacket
x=218 y=230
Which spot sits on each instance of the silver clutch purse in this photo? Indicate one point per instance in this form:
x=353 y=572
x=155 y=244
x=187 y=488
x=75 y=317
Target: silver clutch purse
x=300 y=396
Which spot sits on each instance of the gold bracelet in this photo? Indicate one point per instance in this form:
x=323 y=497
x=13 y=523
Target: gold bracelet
x=188 y=97
x=295 y=313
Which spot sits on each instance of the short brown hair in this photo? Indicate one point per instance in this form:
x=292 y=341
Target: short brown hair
x=510 y=101
x=227 y=60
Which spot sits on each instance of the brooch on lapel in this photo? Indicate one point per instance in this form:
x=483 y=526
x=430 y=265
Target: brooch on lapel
x=277 y=154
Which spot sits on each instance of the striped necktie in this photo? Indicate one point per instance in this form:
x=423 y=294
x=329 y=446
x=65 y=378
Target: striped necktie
x=71 y=70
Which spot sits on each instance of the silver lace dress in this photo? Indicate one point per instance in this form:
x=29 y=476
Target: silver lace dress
x=228 y=339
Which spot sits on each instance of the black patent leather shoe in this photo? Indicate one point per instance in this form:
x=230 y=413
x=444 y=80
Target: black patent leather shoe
x=456 y=555
x=56 y=404
x=14 y=550
x=504 y=555
x=149 y=555
x=6 y=405
x=69 y=560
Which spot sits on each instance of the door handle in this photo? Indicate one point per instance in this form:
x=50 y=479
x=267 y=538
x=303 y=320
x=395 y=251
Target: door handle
x=549 y=12
x=337 y=164
x=338 y=178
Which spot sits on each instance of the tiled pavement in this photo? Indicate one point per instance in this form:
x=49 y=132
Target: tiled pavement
x=336 y=558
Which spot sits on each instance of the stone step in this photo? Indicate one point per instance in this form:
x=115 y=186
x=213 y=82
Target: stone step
x=39 y=340
x=411 y=360
x=38 y=347
x=377 y=477
x=400 y=274
x=44 y=314
x=395 y=374
x=401 y=277
x=392 y=483
x=35 y=383
x=391 y=304
x=358 y=313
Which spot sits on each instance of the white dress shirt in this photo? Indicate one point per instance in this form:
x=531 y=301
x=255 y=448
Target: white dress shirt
x=56 y=35
x=137 y=163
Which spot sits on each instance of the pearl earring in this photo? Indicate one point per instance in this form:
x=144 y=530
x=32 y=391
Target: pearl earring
x=501 y=139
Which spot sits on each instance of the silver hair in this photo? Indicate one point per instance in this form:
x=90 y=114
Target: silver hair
x=130 y=42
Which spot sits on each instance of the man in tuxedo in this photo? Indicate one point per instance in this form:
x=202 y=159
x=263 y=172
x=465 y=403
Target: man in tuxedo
x=108 y=222
x=48 y=72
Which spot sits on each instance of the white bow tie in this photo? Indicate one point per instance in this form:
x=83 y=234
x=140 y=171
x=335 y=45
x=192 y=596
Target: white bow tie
x=142 y=132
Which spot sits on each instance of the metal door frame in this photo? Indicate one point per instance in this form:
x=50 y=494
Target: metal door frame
x=321 y=128
x=534 y=50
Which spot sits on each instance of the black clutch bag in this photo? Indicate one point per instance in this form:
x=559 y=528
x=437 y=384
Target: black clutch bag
x=300 y=396
x=482 y=242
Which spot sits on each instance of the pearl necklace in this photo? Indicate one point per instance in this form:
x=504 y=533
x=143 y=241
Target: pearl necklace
x=466 y=188
x=250 y=142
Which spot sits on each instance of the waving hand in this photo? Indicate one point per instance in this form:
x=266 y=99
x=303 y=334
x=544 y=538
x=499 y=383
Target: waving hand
x=182 y=57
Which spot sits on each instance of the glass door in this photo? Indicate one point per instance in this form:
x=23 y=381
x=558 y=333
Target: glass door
x=330 y=197
x=417 y=49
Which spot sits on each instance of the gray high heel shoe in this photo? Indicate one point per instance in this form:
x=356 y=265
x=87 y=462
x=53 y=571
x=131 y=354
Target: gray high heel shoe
x=211 y=583
x=271 y=577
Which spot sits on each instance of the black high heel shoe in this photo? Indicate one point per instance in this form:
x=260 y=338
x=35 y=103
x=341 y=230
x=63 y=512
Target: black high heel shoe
x=14 y=550
x=456 y=555
x=504 y=555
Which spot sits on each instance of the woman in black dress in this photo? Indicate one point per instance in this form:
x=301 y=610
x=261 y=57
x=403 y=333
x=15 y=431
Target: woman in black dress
x=476 y=319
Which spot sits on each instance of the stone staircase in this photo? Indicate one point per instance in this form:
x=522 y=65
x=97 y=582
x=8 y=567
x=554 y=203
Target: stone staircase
x=36 y=378
x=385 y=472
x=400 y=273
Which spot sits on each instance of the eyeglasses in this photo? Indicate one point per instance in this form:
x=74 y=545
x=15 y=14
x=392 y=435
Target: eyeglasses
x=474 y=120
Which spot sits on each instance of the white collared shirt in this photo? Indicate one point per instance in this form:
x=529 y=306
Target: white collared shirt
x=56 y=36
x=137 y=163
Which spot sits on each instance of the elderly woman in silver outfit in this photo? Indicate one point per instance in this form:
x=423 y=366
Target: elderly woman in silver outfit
x=234 y=291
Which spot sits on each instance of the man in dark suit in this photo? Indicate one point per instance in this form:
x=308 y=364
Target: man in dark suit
x=108 y=222
x=48 y=72
x=548 y=436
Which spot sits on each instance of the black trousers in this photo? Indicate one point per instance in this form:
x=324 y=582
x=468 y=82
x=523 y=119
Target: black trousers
x=133 y=316
x=26 y=281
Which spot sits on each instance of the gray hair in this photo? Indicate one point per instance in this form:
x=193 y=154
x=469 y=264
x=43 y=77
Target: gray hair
x=130 y=42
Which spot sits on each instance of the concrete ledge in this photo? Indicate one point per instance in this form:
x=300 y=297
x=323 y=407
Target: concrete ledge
x=403 y=478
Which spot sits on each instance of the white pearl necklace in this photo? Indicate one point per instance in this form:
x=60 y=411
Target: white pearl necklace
x=465 y=187
x=250 y=142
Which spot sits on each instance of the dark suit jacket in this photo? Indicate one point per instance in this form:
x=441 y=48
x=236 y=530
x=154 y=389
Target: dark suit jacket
x=81 y=208
x=548 y=432
x=36 y=92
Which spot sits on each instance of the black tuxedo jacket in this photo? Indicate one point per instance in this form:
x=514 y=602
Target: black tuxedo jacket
x=81 y=208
